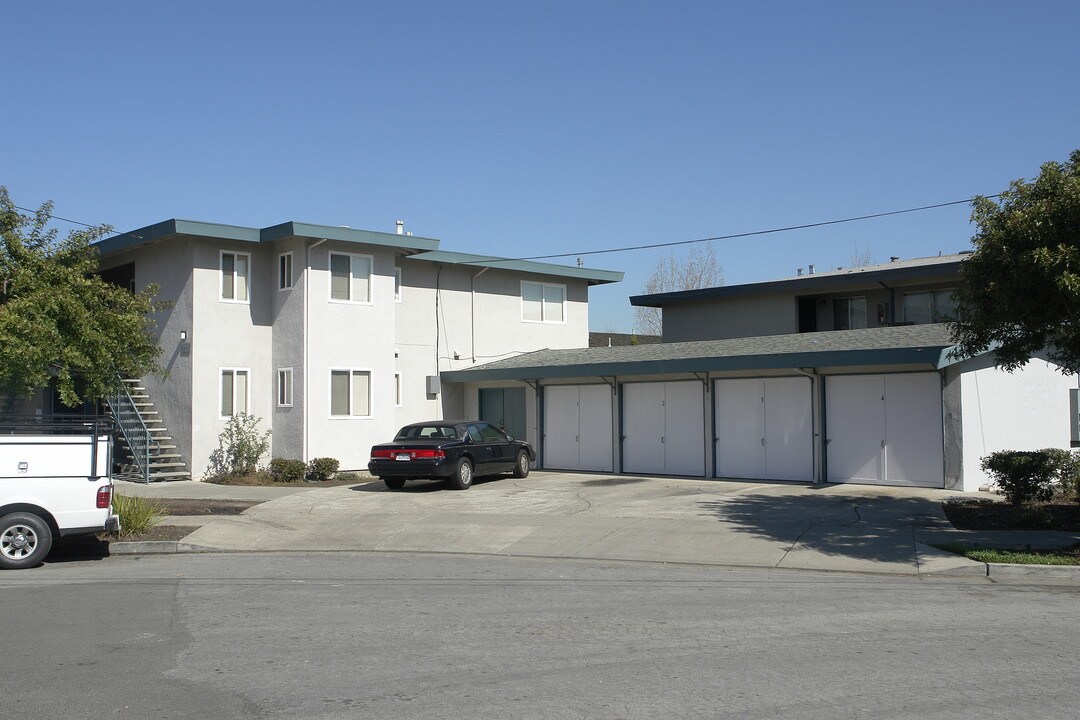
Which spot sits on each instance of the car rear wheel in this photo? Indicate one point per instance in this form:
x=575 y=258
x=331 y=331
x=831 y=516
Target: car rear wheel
x=394 y=483
x=25 y=540
x=521 y=468
x=463 y=475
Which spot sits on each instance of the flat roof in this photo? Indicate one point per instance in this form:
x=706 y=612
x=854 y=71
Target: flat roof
x=593 y=276
x=939 y=267
x=926 y=345
x=175 y=227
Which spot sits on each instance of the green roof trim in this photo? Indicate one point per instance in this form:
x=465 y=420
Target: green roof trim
x=595 y=277
x=171 y=228
x=925 y=345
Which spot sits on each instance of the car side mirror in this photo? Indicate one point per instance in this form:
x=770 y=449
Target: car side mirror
x=510 y=438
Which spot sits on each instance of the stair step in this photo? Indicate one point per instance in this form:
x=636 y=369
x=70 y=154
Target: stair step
x=175 y=473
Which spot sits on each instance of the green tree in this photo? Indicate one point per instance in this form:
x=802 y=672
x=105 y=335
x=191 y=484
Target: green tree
x=1020 y=289
x=58 y=319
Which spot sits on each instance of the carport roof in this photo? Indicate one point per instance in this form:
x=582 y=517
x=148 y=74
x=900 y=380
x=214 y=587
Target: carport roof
x=926 y=345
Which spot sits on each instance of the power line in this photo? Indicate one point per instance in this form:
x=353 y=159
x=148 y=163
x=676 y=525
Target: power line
x=753 y=233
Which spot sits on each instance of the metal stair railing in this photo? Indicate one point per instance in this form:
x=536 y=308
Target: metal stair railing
x=130 y=421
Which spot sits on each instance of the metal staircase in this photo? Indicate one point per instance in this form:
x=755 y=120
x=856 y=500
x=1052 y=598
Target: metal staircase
x=145 y=451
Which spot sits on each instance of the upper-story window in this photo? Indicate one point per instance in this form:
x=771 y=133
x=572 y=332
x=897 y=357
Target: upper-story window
x=284 y=271
x=235 y=276
x=541 y=302
x=932 y=306
x=350 y=277
x=849 y=313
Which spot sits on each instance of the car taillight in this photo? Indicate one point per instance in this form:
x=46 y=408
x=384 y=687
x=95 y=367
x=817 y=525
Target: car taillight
x=382 y=454
x=104 y=496
x=435 y=454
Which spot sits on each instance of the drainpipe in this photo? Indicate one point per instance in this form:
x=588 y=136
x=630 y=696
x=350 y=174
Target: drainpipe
x=472 y=312
x=304 y=335
x=814 y=424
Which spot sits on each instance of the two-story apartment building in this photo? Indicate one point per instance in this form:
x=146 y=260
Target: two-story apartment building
x=334 y=336
x=844 y=376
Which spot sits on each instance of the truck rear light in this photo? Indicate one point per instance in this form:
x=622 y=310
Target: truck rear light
x=104 y=496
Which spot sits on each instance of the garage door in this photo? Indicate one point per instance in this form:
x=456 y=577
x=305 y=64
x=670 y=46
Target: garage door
x=664 y=428
x=764 y=429
x=885 y=429
x=578 y=428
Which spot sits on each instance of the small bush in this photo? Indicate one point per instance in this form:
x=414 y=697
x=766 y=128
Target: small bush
x=1023 y=476
x=137 y=514
x=240 y=447
x=284 y=471
x=348 y=477
x=323 y=468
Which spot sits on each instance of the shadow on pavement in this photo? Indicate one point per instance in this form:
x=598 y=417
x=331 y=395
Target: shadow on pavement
x=611 y=481
x=876 y=527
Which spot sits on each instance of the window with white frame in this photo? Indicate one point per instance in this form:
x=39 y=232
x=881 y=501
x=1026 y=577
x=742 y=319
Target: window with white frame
x=931 y=306
x=234 y=391
x=350 y=393
x=235 y=276
x=397 y=284
x=849 y=313
x=541 y=302
x=350 y=277
x=284 y=387
x=397 y=389
x=284 y=271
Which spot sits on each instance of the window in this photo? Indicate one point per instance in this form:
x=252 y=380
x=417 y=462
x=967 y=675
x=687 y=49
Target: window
x=542 y=303
x=929 y=307
x=397 y=389
x=235 y=280
x=350 y=393
x=234 y=391
x=849 y=313
x=350 y=277
x=284 y=387
x=397 y=284
x=284 y=271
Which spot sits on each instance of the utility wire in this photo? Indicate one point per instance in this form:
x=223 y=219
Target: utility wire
x=653 y=246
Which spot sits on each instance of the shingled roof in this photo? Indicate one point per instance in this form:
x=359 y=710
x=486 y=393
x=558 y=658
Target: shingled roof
x=923 y=345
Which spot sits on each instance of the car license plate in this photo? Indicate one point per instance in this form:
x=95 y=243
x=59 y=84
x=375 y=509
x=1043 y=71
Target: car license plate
x=402 y=456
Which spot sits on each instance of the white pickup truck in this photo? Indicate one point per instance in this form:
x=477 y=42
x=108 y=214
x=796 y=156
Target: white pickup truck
x=55 y=481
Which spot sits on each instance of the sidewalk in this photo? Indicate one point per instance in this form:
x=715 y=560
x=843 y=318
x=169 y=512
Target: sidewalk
x=842 y=528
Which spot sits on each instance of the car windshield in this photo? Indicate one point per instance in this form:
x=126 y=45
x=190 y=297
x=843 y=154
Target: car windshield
x=419 y=432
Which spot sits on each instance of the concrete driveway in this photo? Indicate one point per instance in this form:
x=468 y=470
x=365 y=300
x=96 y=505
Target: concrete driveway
x=848 y=528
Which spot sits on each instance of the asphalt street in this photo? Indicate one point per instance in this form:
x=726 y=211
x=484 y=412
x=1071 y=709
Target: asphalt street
x=416 y=635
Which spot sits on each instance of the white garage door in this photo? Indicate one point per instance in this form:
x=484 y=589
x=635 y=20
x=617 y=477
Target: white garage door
x=578 y=428
x=664 y=428
x=885 y=429
x=764 y=429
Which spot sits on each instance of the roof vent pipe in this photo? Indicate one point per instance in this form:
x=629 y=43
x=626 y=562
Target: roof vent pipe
x=894 y=258
x=798 y=272
x=400 y=227
x=810 y=270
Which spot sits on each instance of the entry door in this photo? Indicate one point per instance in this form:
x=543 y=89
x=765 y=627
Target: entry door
x=764 y=429
x=578 y=428
x=504 y=408
x=885 y=429
x=664 y=428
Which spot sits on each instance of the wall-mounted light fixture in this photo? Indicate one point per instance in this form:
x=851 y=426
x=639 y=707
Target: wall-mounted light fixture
x=183 y=335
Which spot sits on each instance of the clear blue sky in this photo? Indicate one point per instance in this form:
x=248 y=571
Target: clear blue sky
x=526 y=128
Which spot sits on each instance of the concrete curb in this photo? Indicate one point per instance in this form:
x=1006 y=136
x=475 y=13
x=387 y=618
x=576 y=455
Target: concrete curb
x=1061 y=572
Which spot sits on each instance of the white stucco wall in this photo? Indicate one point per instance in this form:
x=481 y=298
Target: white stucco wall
x=1024 y=410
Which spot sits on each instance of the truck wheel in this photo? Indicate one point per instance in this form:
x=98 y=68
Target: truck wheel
x=394 y=483
x=521 y=468
x=25 y=540
x=462 y=477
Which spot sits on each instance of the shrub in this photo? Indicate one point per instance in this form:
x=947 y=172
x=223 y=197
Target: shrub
x=323 y=468
x=348 y=477
x=1067 y=471
x=282 y=470
x=137 y=514
x=240 y=447
x=1023 y=476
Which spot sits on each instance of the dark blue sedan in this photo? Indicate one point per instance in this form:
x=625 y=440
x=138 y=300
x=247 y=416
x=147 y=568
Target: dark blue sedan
x=458 y=450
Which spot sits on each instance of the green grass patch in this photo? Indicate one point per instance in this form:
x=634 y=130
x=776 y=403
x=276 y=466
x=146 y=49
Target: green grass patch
x=1064 y=556
x=137 y=514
